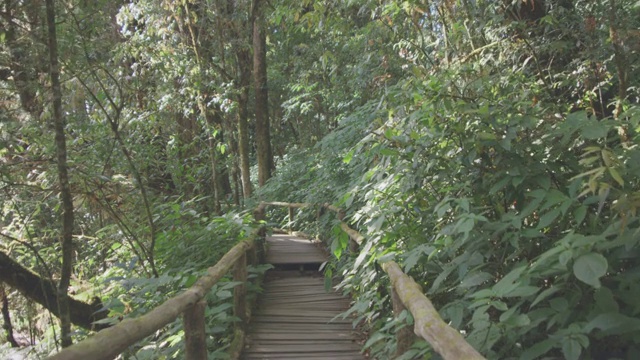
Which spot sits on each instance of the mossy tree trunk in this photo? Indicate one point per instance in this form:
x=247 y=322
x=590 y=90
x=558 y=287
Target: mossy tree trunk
x=63 y=179
x=263 y=131
x=244 y=82
x=44 y=292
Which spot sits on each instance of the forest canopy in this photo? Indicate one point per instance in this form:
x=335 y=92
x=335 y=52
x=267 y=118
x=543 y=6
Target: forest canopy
x=489 y=147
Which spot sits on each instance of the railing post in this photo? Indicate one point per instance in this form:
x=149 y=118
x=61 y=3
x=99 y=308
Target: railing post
x=194 y=332
x=239 y=306
x=290 y=218
x=258 y=216
x=240 y=291
x=404 y=336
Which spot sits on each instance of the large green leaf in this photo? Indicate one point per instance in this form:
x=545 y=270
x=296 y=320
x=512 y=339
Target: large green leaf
x=613 y=323
x=589 y=268
x=571 y=349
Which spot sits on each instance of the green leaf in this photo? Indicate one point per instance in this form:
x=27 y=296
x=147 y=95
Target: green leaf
x=594 y=129
x=538 y=349
x=559 y=304
x=465 y=225
x=347 y=158
x=456 y=313
x=336 y=247
x=499 y=185
x=374 y=339
x=579 y=214
x=485 y=136
x=518 y=321
x=218 y=309
x=224 y=294
x=508 y=283
x=565 y=257
x=364 y=252
x=553 y=197
x=475 y=278
x=522 y=291
x=589 y=268
x=571 y=349
x=543 y=295
x=613 y=323
x=616 y=176
x=605 y=300
x=328 y=280
x=548 y=218
x=387 y=257
x=499 y=305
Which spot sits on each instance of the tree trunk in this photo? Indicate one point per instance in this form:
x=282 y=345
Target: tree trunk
x=244 y=68
x=620 y=59
x=263 y=132
x=43 y=291
x=63 y=179
x=24 y=66
x=6 y=318
x=235 y=169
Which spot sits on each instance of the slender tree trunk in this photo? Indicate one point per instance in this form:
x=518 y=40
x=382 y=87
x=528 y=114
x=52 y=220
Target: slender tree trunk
x=244 y=67
x=619 y=57
x=6 y=318
x=235 y=171
x=24 y=66
x=63 y=179
x=263 y=132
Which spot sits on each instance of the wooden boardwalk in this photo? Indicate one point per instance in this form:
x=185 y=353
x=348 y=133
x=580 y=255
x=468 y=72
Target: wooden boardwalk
x=296 y=317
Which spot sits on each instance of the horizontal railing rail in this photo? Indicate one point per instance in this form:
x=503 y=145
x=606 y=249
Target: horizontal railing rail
x=112 y=341
x=406 y=294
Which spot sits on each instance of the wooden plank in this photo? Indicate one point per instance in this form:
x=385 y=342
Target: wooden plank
x=257 y=328
x=267 y=342
x=296 y=335
x=297 y=318
x=324 y=356
x=307 y=348
x=288 y=249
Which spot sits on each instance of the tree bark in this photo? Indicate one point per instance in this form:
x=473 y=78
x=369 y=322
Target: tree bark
x=24 y=68
x=43 y=291
x=63 y=179
x=244 y=68
x=6 y=318
x=620 y=59
x=263 y=132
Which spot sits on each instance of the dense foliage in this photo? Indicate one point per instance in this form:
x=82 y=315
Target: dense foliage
x=490 y=147
x=502 y=169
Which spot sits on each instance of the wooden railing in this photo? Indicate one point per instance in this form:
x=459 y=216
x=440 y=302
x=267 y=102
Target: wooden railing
x=405 y=294
x=110 y=342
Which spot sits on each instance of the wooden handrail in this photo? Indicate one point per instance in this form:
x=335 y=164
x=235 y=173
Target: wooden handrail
x=110 y=342
x=428 y=324
x=444 y=339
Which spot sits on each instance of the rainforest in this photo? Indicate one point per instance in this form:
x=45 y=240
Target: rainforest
x=488 y=148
